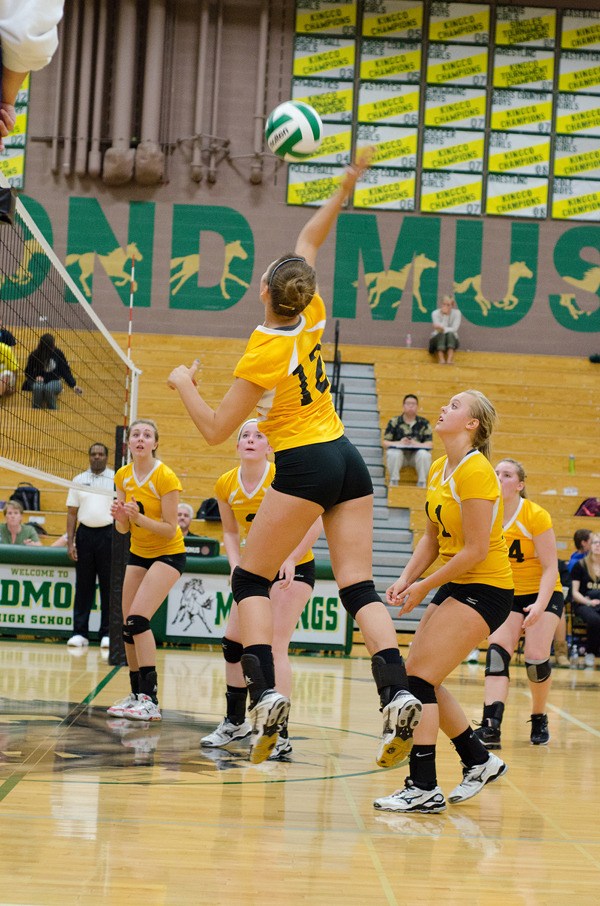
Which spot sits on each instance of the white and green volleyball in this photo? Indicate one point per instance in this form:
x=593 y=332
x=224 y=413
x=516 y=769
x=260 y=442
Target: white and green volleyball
x=294 y=131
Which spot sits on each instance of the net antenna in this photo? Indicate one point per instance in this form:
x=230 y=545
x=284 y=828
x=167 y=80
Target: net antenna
x=38 y=297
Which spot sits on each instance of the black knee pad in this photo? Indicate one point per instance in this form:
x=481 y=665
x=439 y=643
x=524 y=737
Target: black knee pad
x=232 y=651
x=353 y=597
x=248 y=585
x=127 y=636
x=538 y=671
x=423 y=690
x=136 y=624
x=497 y=660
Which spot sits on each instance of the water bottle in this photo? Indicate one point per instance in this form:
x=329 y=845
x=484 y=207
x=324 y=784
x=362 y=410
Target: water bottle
x=408 y=341
x=574 y=656
x=572 y=464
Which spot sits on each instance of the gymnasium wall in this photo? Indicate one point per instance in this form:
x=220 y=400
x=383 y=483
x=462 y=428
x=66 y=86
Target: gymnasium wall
x=202 y=246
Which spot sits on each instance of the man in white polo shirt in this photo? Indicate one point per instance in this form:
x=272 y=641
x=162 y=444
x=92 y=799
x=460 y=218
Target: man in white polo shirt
x=90 y=546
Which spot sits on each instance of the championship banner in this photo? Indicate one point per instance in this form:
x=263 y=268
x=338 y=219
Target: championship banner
x=578 y=113
x=393 y=145
x=522 y=111
x=12 y=159
x=576 y=199
x=325 y=17
x=581 y=29
x=391 y=60
x=575 y=156
x=388 y=102
x=466 y=22
x=312 y=184
x=579 y=72
x=517 y=153
x=453 y=149
x=525 y=26
x=456 y=64
x=198 y=608
x=460 y=107
x=335 y=146
x=331 y=58
x=386 y=189
x=37 y=597
x=517 y=196
x=331 y=99
x=524 y=67
x=393 y=19
x=451 y=193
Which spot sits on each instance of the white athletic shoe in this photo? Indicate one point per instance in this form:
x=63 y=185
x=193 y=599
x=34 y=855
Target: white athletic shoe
x=143 y=709
x=282 y=750
x=268 y=716
x=78 y=641
x=105 y=642
x=472 y=657
x=475 y=778
x=413 y=799
x=118 y=709
x=226 y=733
x=400 y=718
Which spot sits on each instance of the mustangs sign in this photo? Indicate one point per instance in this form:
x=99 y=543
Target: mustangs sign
x=198 y=607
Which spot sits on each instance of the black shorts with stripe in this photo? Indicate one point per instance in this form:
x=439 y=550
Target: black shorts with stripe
x=492 y=603
x=555 y=605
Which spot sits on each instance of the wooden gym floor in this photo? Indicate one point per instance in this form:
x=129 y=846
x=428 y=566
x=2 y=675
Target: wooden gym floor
x=96 y=811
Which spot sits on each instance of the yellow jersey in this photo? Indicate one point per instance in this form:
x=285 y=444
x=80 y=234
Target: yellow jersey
x=472 y=479
x=160 y=481
x=520 y=532
x=245 y=504
x=8 y=360
x=296 y=407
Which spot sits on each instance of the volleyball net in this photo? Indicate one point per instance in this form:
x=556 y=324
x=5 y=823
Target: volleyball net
x=98 y=383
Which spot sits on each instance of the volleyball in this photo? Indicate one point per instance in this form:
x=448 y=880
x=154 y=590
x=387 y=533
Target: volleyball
x=294 y=131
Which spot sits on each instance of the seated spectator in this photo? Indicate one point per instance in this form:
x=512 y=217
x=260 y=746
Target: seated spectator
x=8 y=370
x=185 y=514
x=45 y=371
x=581 y=540
x=586 y=597
x=13 y=531
x=407 y=441
x=444 y=339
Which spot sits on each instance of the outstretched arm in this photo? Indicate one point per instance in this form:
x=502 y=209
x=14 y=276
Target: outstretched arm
x=314 y=233
x=215 y=425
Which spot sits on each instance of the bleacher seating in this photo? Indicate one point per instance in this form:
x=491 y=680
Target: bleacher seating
x=535 y=397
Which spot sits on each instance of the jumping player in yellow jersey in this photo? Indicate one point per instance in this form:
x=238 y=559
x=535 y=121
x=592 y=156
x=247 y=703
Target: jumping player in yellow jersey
x=474 y=598
x=240 y=493
x=146 y=505
x=318 y=472
x=537 y=608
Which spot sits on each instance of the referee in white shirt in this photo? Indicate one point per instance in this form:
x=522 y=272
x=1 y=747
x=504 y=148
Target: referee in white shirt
x=90 y=546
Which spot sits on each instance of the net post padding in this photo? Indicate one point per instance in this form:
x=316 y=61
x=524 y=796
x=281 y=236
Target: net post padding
x=118 y=564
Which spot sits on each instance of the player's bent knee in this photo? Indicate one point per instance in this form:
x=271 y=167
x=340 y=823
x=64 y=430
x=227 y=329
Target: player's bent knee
x=248 y=585
x=353 y=597
x=136 y=624
x=538 y=671
x=423 y=690
x=232 y=651
x=497 y=661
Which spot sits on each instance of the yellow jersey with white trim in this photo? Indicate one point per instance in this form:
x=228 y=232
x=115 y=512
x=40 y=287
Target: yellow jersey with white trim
x=472 y=479
x=148 y=493
x=520 y=532
x=244 y=503
x=296 y=408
